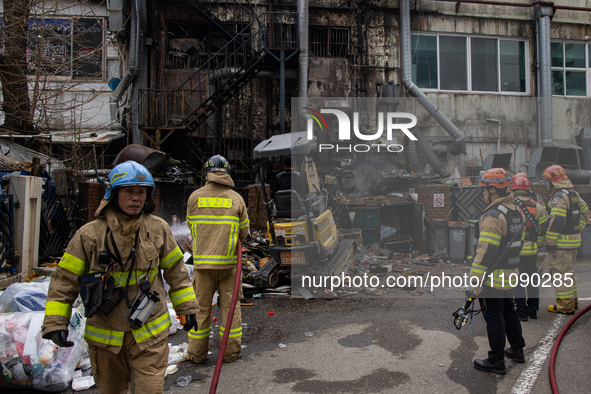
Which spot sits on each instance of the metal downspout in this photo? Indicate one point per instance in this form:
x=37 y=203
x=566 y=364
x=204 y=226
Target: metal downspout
x=303 y=60
x=406 y=62
x=141 y=81
x=132 y=70
x=543 y=14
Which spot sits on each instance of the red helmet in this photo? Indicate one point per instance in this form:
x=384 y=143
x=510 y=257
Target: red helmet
x=555 y=173
x=495 y=177
x=520 y=182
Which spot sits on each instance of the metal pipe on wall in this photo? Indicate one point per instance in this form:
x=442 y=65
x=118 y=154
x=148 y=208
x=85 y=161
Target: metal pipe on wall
x=303 y=60
x=141 y=81
x=543 y=14
x=406 y=66
x=132 y=70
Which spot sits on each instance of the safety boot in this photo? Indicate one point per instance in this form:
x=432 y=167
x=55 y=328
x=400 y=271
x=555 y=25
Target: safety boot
x=553 y=309
x=516 y=354
x=533 y=314
x=522 y=314
x=487 y=366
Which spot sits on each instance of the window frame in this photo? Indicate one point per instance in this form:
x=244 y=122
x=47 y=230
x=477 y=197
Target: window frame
x=468 y=38
x=104 y=57
x=563 y=69
x=328 y=42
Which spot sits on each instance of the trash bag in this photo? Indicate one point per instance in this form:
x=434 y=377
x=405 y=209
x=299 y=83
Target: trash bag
x=387 y=232
x=29 y=361
x=24 y=297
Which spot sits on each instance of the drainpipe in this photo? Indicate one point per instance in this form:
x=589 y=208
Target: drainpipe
x=429 y=154
x=543 y=14
x=132 y=71
x=406 y=59
x=406 y=68
x=303 y=61
x=141 y=81
x=498 y=122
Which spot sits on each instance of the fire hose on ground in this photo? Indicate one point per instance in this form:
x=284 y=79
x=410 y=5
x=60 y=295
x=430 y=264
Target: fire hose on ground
x=553 y=385
x=220 y=360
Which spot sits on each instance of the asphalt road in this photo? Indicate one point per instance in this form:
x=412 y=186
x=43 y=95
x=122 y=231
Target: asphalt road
x=392 y=345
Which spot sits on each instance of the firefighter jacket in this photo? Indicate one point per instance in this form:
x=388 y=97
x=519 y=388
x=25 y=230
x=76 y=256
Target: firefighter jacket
x=568 y=216
x=533 y=241
x=157 y=255
x=499 y=224
x=217 y=217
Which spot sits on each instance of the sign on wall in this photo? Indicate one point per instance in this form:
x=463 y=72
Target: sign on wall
x=438 y=200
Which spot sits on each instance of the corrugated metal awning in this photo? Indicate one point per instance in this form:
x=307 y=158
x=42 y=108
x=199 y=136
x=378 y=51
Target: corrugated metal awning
x=89 y=137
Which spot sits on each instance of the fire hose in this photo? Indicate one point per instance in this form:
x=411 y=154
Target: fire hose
x=553 y=385
x=220 y=360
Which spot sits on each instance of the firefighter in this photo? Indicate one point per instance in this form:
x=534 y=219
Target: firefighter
x=109 y=261
x=529 y=204
x=217 y=218
x=501 y=227
x=568 y=216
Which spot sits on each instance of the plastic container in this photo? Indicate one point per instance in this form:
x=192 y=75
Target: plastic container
x=471 y=241
x=437 y=237
x=457 y=241
x=585 y=249
x=184 y=381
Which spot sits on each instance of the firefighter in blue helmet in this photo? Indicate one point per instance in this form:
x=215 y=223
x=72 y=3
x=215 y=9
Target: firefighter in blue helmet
x=122 y=254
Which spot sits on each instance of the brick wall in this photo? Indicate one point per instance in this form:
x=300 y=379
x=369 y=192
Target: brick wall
x=426 y=192
x=92 y=193
x=257 y=214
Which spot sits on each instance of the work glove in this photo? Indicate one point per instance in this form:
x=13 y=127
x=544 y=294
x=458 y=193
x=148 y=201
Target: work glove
x=60 y=338
x=550 y=248
x=191 y=323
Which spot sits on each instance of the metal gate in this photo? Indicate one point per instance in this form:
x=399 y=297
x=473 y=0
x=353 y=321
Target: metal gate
x=59 y=222
x=468 y=203
x=7 y=259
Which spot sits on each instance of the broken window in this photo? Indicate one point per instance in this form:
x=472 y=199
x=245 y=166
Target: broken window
x=477 y=64
x=329 y=41
x=570 y=67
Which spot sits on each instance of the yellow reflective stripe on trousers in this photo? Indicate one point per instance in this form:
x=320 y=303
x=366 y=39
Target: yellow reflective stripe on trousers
x=214 y=202
x=121 y=277
x=214 y=259
x=171 y=258
x=491 y=238
x=497 y=281
x=57 y=308
x=200 y=334
x=100 y=335
x=152 y=328
x=180 y=296
x=73 y=264
x=234 y=332
x=566 y=294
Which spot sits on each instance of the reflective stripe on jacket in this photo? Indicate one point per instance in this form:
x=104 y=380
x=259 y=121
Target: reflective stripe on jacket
x=157 y=256
x=529 y=246
x=558 y=233
x=496 y=234
x=217 y=218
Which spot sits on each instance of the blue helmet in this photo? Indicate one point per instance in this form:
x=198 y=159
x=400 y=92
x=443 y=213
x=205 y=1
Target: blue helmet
x=131 y=173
